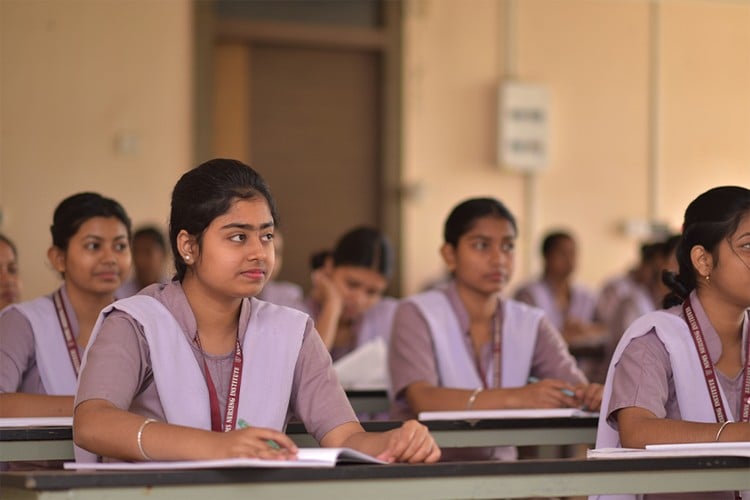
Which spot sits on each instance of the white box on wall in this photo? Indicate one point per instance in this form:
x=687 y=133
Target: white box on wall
x=523 y=126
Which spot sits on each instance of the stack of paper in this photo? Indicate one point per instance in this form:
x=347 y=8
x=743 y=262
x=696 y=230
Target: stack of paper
x=741 y=449
x=306 y=457
x=365 y=368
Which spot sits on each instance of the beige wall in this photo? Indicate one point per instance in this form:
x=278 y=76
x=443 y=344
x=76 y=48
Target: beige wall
x=610 y=114
x=76 y=76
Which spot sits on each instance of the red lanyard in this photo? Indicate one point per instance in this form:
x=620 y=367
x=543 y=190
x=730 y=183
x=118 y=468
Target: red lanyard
x=708 y=368
x=70 y=340
x=233 y=397
x=496 y=354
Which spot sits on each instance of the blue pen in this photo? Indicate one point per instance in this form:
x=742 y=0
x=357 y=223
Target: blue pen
x=243 y=425
x=567 y=392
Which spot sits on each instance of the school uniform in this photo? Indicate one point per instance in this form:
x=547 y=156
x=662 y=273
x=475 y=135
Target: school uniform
x=656 y=366
x=582 y=303
x=612 y=293
x=132 y=287
x=282 y=293
x=34 y=355
x=143 y=357
x=375 y=323
x=430 y=343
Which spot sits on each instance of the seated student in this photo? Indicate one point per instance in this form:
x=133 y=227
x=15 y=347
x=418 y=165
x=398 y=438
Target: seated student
x=570 y=307
x=41 y=340
x=149 y=252
x=346 y=300
x=175 y=372
x=657 y=390
x=463 y=347
x=10 y=284
x=283 y=293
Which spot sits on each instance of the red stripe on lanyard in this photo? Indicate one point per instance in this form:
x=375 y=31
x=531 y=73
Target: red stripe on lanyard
x=233 y=396
x=708 y=367
x=67 y=331
x=497 y=349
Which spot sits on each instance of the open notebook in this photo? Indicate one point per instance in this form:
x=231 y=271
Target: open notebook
x=505 y=414
x=306 y=457
x=741 y=449
x=37 y=422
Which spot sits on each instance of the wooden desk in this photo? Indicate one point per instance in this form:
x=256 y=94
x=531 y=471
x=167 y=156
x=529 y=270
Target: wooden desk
x=56 y=443
x=541 y=478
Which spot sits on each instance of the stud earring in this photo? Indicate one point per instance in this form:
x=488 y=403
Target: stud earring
x=187 y=258
x=708 y=277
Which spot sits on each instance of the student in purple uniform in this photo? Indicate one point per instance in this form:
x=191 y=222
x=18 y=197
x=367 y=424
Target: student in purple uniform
x=462 y=346
x=149 y=251
x=10 y=283
x=346 y=300
x=656 y=389
x=170 y=365
x=41 y=340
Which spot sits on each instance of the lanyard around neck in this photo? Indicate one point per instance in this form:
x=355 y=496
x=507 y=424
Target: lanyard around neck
x=709 y=372
x=496 y=355
x=233 y=396
x=67 y=331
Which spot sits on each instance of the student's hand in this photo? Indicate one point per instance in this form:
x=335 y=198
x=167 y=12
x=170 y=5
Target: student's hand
x=411 y=443
x=590 y=396
x=547 y=393
x=255 y=442
x=324 y=290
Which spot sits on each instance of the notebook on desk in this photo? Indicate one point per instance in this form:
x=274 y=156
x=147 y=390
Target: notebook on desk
x=37 y=422
x=506 y=414
x=306 y=457
x=740 y=449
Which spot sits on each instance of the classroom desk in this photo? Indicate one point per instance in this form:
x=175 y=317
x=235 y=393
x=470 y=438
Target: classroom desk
x=368 y=401
x=541 y=478
x=56 y=443
x=495 y=432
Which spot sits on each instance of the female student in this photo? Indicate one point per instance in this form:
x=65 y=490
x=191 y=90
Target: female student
x=10 y=283
x=462 y=347
x=41 y=341
x=347 y=300
x=177 y=361
x=149 y=250
x=657 y=390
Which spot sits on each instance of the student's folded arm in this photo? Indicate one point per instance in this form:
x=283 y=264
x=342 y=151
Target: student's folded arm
x=639 y=427
x=18 y=404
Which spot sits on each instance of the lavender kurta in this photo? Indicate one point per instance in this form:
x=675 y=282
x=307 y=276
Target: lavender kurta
x=582 y=304
x=118 y=367
x=282 y=293
x=412 y=356
x=644 y=372
x=19 y=369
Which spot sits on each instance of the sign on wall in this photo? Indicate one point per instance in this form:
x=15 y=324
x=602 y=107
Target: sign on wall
x=524 y=126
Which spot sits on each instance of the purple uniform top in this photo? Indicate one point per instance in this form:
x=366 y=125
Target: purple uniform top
x=582 y=304
x=412 y=356
x=19 y=371
x=643 y=377
x=283 y=293
x=118 y=368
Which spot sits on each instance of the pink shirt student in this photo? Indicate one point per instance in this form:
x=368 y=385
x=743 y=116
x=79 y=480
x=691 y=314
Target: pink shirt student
x=120 y=352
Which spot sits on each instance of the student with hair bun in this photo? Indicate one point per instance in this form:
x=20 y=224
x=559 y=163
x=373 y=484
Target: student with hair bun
x=346 y=300
x=462 y=346
x=200 y=369
x=10 y=283
x=42 y=340
x=657 y=390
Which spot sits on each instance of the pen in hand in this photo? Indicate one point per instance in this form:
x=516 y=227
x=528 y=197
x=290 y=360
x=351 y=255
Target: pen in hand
x=567 y=392
x=270 y=442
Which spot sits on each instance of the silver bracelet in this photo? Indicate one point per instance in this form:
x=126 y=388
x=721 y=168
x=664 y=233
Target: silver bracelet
x=473 y=397
x=718 y=434
x=139 y=438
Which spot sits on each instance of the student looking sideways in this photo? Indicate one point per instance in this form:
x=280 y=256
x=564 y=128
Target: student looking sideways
x=10 y=283
x=162 y=364
x=41 y=341
x=657 y=390
x=462 y=346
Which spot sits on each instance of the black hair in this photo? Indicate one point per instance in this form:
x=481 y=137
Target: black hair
x=75 y=210
x=551 y=239
x=710 y=218
x=206 y=192
x=318 y=259
x=464 y=215
x=650 y=251
x=364 y=247
x=8 y=242
x=152 y=233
